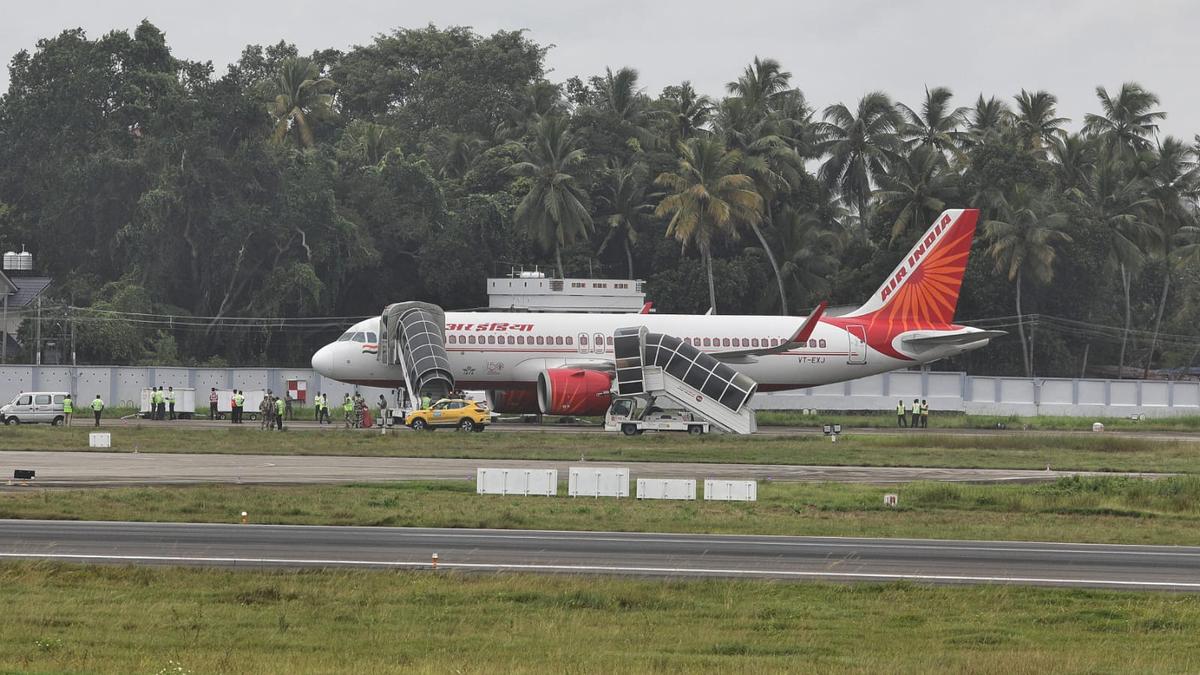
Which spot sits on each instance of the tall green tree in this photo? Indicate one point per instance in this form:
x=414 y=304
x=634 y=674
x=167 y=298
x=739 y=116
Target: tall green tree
x=624 y=208
x=936 y=125
x=760 y=86
x=917 y=189
x=1037 y=120
x=1128 y=119
x=553 y=210
x=706 y=199
x=301 y=95
x=686 y=112
x=858 y=146
x=1023 y=245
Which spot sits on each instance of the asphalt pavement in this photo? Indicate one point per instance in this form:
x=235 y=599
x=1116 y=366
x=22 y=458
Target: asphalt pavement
x=1174 y=568
x=108 y=469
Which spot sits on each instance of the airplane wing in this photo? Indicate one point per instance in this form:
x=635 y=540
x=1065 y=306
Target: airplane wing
x=954 y=339
x=798 y=339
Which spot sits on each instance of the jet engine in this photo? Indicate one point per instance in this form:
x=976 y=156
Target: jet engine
x=573 y=391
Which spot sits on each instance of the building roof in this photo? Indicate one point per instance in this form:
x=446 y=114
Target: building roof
x=27 y=289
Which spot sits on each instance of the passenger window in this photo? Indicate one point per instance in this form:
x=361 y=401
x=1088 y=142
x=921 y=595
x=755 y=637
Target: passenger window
x=471 y=339
x=541 y=340
x=42 y=399
x=753 y=342
x=558 y=340
x=570 y=341
x=582 y=340
x=821 y=342
x=707 y=342
x=512 y=340
x=812 y=344
x=724 y=342
x=745 y=342
x=520 y=339
x=491 y=339
x=25 y=400
x=609 y=340
x=451 y=339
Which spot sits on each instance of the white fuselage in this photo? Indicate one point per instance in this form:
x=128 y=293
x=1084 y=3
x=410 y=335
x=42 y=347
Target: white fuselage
x=508 y=350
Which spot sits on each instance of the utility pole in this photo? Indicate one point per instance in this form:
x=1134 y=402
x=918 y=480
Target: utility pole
x=38 y=331
x=4 y=331
x=71 y=320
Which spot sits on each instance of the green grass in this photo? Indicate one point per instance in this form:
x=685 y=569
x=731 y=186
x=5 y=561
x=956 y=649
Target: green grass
x=66 y=618
x=1098 y=510
x=887 y=420
x=1013 y=450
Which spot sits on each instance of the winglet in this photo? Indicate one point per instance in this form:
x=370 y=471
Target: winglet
x=810 y=324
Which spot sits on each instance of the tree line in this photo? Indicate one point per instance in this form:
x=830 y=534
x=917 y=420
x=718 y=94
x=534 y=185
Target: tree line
x=182 y=212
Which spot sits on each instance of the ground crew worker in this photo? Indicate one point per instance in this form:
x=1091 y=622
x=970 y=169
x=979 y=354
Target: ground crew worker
x=382 y=408
x=240 y=399
x=212 y=404
x=280 y=410
x=97 y=406
x=360 y=407
x=348 y=409
x=914 y=412
x=287 y=400
x=426 y=401
x=317 y=408
x=171 y=401
x=162 y=404
x=901 y=420
x=264 y=413
x=924 y=414
x=68 y=409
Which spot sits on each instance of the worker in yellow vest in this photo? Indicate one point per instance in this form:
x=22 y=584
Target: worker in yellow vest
x=901 y=420
x=171 y=401
x=97 y=407
x=68 y=409
x=348 y=409
x=280 y=408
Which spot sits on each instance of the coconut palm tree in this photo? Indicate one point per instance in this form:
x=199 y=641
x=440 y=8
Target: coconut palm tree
x=686 y=112
x=760 y=85
x=452 y=153
x=1037 y=120
x=1129 y=120
x=553 y=209
x=917 y=188
x=858 y=144
x=987 y=116
x=810 y=240
x=1173 y=181
x=300 y=94
x=1113 y=205
x=936 y=125
x=707 y=199
x=1022 y=245
x=1074 y=157
x=625 y=207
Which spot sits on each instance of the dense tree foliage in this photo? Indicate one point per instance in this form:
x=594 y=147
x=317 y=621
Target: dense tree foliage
x=182 y=211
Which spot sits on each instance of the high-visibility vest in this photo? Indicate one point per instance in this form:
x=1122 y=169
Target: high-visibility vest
x=348 y=406
x=97 y=405
x=899 y=408
x=279 y=406
x=68 y=405
x=924 y=408
x=239 y=400
x=170 y=397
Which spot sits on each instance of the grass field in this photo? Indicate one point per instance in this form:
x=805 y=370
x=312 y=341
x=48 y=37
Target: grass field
x=1097 y=510
x=61 y=618
x=887 y=420
x=1013 y=450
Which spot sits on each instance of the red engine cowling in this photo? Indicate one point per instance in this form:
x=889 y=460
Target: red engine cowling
x=514 y=401
x=573 y=391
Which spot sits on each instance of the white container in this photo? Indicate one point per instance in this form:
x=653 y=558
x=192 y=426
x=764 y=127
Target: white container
x=542 y=482
x=598 y=482
x=1097 y=426
x=666 y=488
x=731 y=490
x=185 y=402
x=100 y=440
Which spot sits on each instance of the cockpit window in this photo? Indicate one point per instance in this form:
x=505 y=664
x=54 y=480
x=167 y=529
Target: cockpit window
x=372 y=338
x=360 y=337
x=346 y=337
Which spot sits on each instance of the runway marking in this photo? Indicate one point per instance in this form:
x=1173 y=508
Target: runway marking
x=609 y=568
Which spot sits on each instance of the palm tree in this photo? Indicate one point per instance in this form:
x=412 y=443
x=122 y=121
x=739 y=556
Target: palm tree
x=301 y=93
x=624 y=201
x=452 y=153
x=810 y=242
x=1112 y=204
x=859 y=145
x=367 y=143
x=1074 y=159
x=1037 y=120
x=988 y=116
x=1023 y=246
x=918 y=187
x=936 y=125
x=1174 y=181
x=760 y=85
x=552 y=210
x=687 y=113
x=1128 y=121
x=707 y=199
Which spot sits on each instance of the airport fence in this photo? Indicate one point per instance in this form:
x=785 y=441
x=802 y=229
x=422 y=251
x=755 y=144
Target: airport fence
x=121 y=385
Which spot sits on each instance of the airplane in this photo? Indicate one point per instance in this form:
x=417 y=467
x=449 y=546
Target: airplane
x=563 y=364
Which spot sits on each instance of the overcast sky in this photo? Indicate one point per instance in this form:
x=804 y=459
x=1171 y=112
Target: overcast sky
x=836 y=50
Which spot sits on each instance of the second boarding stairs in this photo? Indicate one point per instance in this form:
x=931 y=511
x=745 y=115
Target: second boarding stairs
x=655 y=365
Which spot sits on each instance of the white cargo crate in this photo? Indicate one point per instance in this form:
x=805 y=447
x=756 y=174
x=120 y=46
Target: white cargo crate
x=598 y=482
x=100 y=440
x=666 y=488
x=516 y=482
x=731 y=490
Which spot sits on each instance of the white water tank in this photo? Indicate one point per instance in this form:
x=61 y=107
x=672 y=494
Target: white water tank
x=10 y=260
x=24 y=262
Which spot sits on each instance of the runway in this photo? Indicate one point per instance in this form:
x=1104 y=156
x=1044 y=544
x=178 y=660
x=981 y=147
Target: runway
x=108 y=469
x=654 y=555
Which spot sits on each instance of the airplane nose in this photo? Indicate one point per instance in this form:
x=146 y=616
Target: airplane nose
x=322 y=361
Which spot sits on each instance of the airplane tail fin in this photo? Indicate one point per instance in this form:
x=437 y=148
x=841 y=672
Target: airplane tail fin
x=923 y=289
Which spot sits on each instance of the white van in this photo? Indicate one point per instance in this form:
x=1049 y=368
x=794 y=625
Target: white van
x=35 y=406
